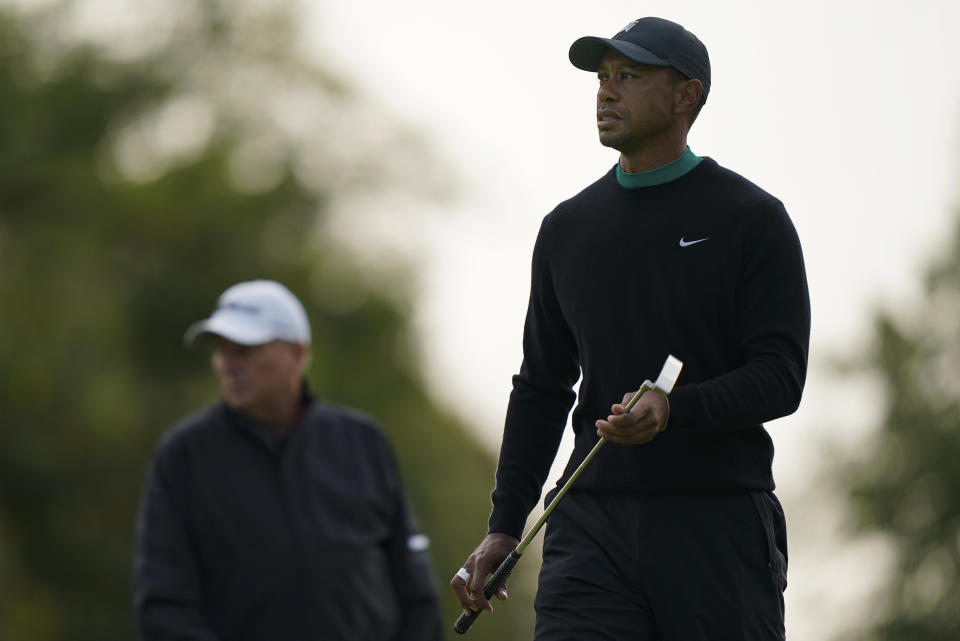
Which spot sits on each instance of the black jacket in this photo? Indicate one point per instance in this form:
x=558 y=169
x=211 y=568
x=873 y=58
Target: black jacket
x=243 y=536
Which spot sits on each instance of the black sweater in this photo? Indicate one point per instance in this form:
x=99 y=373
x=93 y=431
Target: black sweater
x=613 y=292
x=246 y=536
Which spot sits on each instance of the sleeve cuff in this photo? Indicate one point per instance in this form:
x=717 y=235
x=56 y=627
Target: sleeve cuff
x=684 y=408
x=505 y=520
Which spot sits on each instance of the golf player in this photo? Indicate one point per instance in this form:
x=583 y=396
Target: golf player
x=273 y=515
x=672 y=532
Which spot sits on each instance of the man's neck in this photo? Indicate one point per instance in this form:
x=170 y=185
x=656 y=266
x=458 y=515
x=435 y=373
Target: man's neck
x=653 y=155
x=279 y=416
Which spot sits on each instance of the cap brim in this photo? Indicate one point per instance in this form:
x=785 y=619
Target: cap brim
x=228 y=328
x=587 y=52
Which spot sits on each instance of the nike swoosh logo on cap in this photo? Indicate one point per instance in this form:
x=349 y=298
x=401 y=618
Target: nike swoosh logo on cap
x=687 y=243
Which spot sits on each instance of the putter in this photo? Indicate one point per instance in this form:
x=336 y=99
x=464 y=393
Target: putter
x=664 y=384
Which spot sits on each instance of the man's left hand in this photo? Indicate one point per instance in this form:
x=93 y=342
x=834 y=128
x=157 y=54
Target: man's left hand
x=641 y=424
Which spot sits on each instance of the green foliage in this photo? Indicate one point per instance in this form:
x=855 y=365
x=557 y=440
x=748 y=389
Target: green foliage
x=908 y=484
x=103 y=264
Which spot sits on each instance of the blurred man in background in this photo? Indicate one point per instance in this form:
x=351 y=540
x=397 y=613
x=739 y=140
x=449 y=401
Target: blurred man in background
x=673 y=532
x=272 y=515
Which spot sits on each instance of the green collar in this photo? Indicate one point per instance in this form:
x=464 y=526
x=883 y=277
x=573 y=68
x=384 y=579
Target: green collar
x=671 y=171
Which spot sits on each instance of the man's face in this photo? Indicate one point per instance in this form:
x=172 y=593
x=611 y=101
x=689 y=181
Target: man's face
x=254 y=379
x=635 y=103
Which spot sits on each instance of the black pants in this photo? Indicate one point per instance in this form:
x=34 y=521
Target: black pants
x=665 y=568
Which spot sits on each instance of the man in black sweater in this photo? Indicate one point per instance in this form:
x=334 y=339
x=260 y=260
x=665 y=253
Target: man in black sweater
x=673 y=532
x=272 y=515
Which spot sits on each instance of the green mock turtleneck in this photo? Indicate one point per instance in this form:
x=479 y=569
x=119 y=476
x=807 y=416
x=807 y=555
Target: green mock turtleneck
x=671 y=171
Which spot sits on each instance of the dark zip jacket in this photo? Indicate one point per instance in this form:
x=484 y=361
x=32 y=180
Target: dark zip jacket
x=244 y=536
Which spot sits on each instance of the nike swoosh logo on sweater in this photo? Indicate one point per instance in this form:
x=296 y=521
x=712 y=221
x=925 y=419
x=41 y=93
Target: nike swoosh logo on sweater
x=687 y=243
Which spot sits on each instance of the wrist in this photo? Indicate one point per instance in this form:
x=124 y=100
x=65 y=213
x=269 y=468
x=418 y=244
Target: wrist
x=666 y=415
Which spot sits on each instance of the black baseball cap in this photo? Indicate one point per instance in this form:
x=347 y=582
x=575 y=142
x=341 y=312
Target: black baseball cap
x=651 y=41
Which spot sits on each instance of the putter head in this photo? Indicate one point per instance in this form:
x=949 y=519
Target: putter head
x=669 y=374
x=665 y=382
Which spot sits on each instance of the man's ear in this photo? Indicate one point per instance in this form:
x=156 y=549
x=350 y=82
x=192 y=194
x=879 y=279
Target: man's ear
x=688 y=96
x=302 y=354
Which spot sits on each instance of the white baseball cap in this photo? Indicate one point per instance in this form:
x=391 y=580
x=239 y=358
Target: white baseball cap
x=254 y=313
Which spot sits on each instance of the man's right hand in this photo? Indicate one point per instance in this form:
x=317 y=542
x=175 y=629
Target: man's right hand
x=483 y=561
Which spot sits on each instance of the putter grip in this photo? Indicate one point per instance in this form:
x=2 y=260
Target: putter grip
x=499 y=578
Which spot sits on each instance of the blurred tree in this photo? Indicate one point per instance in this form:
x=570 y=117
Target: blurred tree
x=906 y=484
x=144 y=168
